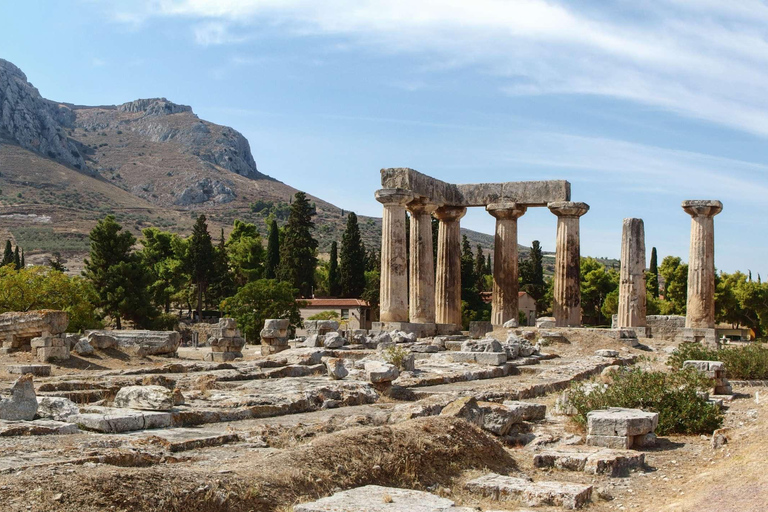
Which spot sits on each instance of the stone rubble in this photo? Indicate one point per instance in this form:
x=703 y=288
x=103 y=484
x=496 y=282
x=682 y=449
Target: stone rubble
x=226 y=343
x=621 y=428
x=374 y=498
x=274 y=336
x=22 y=404
x=533 y=494
x=147 y=398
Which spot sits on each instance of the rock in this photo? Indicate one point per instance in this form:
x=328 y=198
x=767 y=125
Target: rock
x=336 y=369
x=620 y=428
x=42 y=427
x=528 y=411
x=485 y=345
x=510 y=324
x=150 y=398
x=22 y=404
x=497 y=418
x=608 y=373
x=478 y=329
x=56 y=408
x=615 y=463
x=607 y=353
x=114 y=420
x=313 y=341
x=379 y=372
x=408 y=363
x=333 y=340
x=545 y=322
x=101 y=340
x=425 y=348
x=382 y=337
x=38 y=370
x=83 y=348
x=486 y=358
x=178 y=397
x=720 y=438
x=466 y=408
x=533 y=494
x=279 y=324
x=518 y=347
x=374 y=498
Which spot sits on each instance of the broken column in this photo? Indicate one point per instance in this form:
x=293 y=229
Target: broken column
x=504 y=302
x=567 y=291
x=448 y=275
x=393 y=297
x=422 y=264
x=274 y=336
x=226 y=343
x=700 y=308
x=632 y=293
x=39 y=331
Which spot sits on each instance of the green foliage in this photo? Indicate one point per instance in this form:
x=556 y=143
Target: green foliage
x=532 y=276
x=245 y=253
x=163 y=256
x=120 y=280
x=298 y=248
x=334 y=279
x=199 y=259
x=673 y=395
x=652 y=276
x=7 y=254
x=741 y=301
x=674 y=273
x=33 y=288
x=325 y=315
x=395 y=355
x=273 y=251
x=597 y=282
x=372 y=291
x=352 y=265
x=56 y=262
x=749 y=362
x=260 y=300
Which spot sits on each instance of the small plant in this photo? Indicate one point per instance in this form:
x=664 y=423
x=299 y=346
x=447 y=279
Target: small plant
x=749 y=362
x=395 y=355
x=675 y=396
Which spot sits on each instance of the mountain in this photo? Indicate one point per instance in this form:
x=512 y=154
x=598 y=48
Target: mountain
x=151 y=162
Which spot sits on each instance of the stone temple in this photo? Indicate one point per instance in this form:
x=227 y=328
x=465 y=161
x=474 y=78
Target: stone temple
x=417 y=297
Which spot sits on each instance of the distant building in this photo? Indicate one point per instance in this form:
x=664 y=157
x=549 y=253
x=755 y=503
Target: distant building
x=355 y=313
x=525 y=304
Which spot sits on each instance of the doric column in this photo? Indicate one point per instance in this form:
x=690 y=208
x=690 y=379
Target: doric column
x=700 y=310
x=504 y=303
x=632 y=278
x=448 y=275
x=393 y=297
x=566 y=304
x=422 y=265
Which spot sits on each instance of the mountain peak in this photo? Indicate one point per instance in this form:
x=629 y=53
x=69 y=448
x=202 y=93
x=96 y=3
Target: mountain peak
x=154 y=107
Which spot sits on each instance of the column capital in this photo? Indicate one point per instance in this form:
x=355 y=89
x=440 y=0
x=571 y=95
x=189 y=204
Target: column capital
x=506 y=210
x=450 y=213
x=421 y=205
x=702 y=208
x=393 y=196
x=568 y=208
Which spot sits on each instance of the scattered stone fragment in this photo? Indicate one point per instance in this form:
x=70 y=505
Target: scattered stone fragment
x=42 y=427
x=425 y=348
x=534 y=494
x=56 y=408
x=101 y=340
x=22 y=404
x=336 y=369
x=149 y=398
x=510 y=324
x=614 y=463
x=484 y=345
x=374 y=498
x=379 y=372
x=83 y=348
x=466 y=408
x=528 y=411
x=620 y=428
x=333 y=340
x=545 y=322
x=38 y=370
x=498 y=419
x=607 y=353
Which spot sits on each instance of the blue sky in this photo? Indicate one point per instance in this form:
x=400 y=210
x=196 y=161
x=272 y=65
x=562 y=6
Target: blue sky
x=638 y=107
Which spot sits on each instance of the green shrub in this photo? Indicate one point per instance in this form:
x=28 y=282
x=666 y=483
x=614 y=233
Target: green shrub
x=325 y=315
x=395 y=355
x=673 y=395
x=748 y=362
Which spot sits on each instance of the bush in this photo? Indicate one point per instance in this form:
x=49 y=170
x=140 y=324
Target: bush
x=260 y=300
x=673 y=395
x=325 y=315
x=749 y=362
x=395 y=355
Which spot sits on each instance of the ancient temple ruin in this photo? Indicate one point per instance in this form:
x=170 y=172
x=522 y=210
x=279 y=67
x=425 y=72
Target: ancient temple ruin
x=416 y=297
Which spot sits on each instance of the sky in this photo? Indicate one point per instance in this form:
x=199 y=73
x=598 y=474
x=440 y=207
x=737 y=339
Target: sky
x=640 y=105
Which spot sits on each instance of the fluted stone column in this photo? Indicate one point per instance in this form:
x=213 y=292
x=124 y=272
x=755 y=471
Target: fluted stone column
x=422 y=265
x=504 y=302
x=632 y=277
x=393 y=297
x=700 y=310
x=448 y=275
x=566 y=305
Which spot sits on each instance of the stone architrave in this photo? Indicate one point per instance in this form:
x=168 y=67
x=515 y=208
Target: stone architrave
x=504 y=302
x=393 y=297
x=700 y=309
x=632 y=292
x=422 y=264
x=567 y=293
x=448 y=275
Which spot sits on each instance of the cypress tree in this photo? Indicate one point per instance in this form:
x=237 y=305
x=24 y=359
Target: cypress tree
x=479 y=268
x=200 y=260
x=352 y=266
x=298 y=248
x=7 y=254
x=488 y=266
x=222 y=283
x=17 y=258
x=23 y=263
x=537 y=264
x=653 y=274
x=334 y=281
x=273 y=251
x=468 y=277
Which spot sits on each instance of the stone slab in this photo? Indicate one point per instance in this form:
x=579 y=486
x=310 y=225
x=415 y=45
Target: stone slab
x=37 y=428
x=618 y=421
x=487 y=358
x=375 y=498
x=38 y=370
x=504 y=488
x=613 y=442
x=113 y=420
x=614 y=463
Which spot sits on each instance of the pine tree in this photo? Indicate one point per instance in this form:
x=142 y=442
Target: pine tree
x=352 y=265
x=273 y=251
x=120 y=280
x=298 y=248
x=8 y=254
x=17 y=258
x=334 y=281
x=57 y=263
x=200 y=260
x=653 y=274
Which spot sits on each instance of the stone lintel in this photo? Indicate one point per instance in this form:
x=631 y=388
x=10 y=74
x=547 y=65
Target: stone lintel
x=393 y=196
x=525 y=193
x=568 y=208
x=702 y=207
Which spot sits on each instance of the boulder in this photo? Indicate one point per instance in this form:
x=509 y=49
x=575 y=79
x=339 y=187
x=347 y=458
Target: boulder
x=379 y=372
x=497 y=418
x=333 y=340
x=403 y=337
x=101 y=340
x=545 y=322
x=56 y=408
x=607 y=353
x=510 y=324
x=313 y=341
x=83 y=348
x=484 y=345
x=336 y=369
x=278 y=324
x=22 y=404
x=466 y=408
x=148 y=398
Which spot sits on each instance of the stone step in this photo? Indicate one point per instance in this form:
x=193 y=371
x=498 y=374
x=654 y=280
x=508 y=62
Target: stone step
x=375 y=498
x=533 y=494
x=614 y=463
x=184 y=439
x=37 y=428
x=38 y=370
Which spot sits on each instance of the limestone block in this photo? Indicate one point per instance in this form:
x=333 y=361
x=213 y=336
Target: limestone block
x=374 y=498
x=29 y=324
x=225 y=357
x=533 y=494
x=379 y=372
x=150 y=398
x=613 y=442
x=273 y=333
x=42 y=427
x=528 y=411
x=115 y=420
x=313 y=340
x=22 y=404
x=425 y=348
x=614 y=463
x=41 y=342
x=403 y=337
x=484 y=345
x=644 y=441
x=227 y=323
x=38 y=370
x=705 y=366
x=487 y=358
x=83 y=348
x=102 y=340
x=278 y=324
x=56 y=408
x=336 y=369
x=466 y=408
x=326 y=326
x=333 y=340
x=479 y=329
x=545 y=322
x=617 y=421
x=498 y=419
x=46 y=354
x=607 y=353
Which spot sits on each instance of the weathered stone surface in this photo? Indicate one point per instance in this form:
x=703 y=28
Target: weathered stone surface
x=498 y=419
x=488 y=358
x=566 y=305
x=504 y=301
x=516 y=346
x=403 y=337
x=45 y=354
x=280 y=324
x=466 y=408
x=116 y=420
x=607 y=353
x=430 y=406
x=448 y=275
x=101 y=340
x=613 y=442
x=484 y=345
x=546 y=322
x=617 y=421
x=504 y=488
x=421 y=303
x=393 y=297
x=42 y=427
x=333 y=340
x=336 y=369
x=83 y=348
x=225 y=357
x=29 y=324
x=478 y=329
x=425 y=348
x=378 y=372
x=374 y=498
x=632 y=290
x=150 y=398
x=38 y=370
x=614 y=463
x=22 y=404
x=528 y=411
x=56 y=408
x=313 y=341
x=700 y=307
